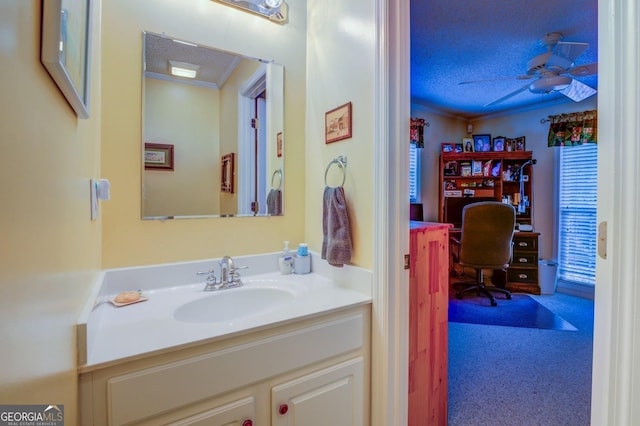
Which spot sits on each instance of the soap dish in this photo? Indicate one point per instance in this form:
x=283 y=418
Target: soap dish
x=126 y=298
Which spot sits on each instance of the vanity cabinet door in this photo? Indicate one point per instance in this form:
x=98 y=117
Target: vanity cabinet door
x=240 y=413
x=331 y=396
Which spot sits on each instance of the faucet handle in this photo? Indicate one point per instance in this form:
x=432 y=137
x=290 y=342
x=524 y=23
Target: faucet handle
x=235 y=275
x=211 y=279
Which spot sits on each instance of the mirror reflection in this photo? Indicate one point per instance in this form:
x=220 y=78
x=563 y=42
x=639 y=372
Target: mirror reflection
x=205 y=106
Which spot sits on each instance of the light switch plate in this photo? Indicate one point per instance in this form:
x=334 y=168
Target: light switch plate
x=93 y=184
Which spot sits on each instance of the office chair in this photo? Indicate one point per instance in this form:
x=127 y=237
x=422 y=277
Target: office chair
x=486 y=243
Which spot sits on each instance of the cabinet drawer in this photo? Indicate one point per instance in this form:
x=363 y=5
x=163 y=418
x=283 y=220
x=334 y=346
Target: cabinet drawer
x=525 y=243
x=524 y=259
x=522 y=275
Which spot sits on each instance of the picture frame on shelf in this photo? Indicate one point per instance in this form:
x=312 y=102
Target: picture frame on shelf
x=447 y=147
x=508 y=144
x=457 y=148
x=450 y=168
x=499 y=143
x=482 y=143
x=467 y=144
x=519 y=144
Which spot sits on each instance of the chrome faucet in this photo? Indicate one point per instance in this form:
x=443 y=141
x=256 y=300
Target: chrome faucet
x=229 y=276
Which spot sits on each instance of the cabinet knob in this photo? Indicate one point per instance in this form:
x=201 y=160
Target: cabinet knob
x=247 y=423
x=283 y=409
x=522 y=260
x=523 y=276
x=523 y=244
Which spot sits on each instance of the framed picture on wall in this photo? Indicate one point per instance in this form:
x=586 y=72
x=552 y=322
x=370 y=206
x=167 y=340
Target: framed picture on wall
x=337 y=123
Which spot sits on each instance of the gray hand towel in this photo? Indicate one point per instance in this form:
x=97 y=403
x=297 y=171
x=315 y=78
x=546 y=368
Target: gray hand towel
x=336 y=231
x=274 y=202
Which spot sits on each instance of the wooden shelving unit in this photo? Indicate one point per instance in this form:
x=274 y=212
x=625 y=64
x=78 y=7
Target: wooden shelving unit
x=482 y=175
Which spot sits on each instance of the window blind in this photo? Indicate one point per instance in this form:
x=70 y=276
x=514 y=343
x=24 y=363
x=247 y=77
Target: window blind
x=414 y=172
x=577 y=214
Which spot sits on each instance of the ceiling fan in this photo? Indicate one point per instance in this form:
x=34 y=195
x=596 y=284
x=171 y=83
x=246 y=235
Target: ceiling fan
x=554 y=71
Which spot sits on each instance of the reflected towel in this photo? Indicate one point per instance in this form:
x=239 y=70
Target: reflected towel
x=274 y=202
x=336 y=231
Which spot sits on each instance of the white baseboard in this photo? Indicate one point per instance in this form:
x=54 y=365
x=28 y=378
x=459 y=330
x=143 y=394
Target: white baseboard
x=576 y=289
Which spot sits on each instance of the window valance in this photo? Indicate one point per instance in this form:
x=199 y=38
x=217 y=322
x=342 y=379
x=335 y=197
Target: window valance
x=416 y=134
x=576 y=128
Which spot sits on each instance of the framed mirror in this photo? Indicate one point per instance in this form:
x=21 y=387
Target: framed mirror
x=222 y=114
x=65 y=49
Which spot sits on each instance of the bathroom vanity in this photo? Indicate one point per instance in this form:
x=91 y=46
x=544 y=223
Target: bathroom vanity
x=306 y=362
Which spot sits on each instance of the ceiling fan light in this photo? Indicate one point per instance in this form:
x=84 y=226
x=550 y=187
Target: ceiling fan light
x=273 y=3
x=550 y=84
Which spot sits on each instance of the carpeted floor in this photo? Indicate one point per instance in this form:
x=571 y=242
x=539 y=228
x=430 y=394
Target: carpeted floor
x=523 y=376
x=521 y=311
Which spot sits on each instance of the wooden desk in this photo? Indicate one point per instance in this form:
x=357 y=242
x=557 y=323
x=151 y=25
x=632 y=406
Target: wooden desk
x=428 y=319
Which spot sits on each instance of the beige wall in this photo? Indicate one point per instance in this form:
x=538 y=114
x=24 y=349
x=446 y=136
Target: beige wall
x=341 y=63
x=127 y=240
x=187 y=117
x=446 y=129
x=50 y=248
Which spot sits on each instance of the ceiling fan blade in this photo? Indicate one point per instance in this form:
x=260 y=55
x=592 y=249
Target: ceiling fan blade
x=568 y=51
x=583 y=70
x=578 y=91
x=518 y=77
x=504 y=98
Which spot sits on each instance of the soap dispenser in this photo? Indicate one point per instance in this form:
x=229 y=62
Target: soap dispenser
x=302 y=260
x=285 y=261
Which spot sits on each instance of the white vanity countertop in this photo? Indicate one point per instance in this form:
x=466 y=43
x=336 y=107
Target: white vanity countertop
x=115 y=334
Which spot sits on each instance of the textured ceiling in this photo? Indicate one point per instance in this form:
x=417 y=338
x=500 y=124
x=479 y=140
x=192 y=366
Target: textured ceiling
x=214 y=66
x=463 y=40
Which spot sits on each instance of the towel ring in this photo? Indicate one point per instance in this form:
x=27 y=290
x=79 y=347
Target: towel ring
x=341 y=161
x=278 y=171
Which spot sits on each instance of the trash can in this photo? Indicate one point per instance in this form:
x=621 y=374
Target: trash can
x=548 y=276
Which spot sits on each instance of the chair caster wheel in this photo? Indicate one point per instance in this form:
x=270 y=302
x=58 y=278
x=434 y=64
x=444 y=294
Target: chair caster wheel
x=508 y=296
x=458 y=296
x=494 y=303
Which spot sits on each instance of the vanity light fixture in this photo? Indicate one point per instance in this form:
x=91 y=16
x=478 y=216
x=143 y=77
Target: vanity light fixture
x=183 y=69
x=275 y=10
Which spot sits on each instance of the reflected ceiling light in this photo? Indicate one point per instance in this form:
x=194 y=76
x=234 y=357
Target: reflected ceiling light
x=183 y=69
x=275 y=10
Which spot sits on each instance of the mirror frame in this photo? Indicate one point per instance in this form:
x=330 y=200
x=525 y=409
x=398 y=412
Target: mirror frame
x=57 y=29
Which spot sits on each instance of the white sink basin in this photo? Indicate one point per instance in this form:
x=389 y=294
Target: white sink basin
x=232 y=304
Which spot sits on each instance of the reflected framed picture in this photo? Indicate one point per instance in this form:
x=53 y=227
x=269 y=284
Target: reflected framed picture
x=337 y=123
x=65 y=49
x=279 y=144
x=228 y=173
x=158 y=156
